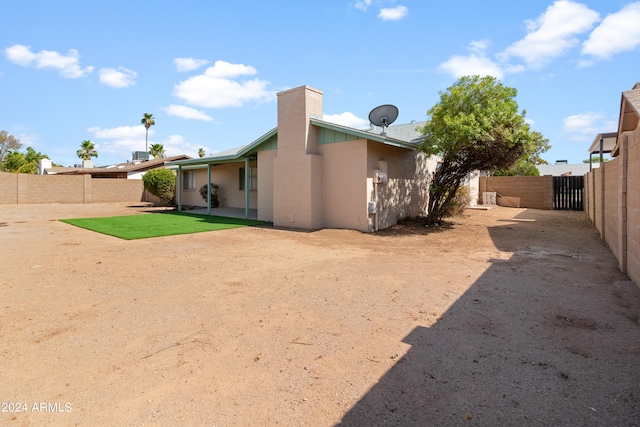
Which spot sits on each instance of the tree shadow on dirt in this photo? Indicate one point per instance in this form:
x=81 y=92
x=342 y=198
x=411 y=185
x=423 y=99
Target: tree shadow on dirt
x=547 y=337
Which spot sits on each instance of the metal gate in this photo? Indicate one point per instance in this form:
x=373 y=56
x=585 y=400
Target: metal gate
x=568 y=193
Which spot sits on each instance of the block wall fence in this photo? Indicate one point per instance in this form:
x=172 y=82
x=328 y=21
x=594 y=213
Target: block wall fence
x=535 y=192
x=20 y=188
x=612 y=202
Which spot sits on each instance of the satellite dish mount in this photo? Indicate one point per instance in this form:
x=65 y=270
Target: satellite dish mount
x=383 y=116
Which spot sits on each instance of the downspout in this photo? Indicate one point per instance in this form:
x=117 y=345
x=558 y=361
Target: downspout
x=375 y=192
x=246 y=187
x=209 y=189
x=179 y=188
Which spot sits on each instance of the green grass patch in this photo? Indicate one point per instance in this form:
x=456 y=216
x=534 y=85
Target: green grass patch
x=158 y=224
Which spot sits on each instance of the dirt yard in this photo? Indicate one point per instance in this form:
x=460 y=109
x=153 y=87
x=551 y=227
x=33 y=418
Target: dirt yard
x=509 y=317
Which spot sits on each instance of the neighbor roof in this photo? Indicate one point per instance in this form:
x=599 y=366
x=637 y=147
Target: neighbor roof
x=608 y=142
x=121 y=168
x=629 y=113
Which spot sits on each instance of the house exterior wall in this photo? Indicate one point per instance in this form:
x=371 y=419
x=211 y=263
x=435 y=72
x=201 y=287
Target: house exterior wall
x=344 y=202
x=613 y=203
x=27 y=188
x=535 y=192
x=265 y=185
x=405 y=193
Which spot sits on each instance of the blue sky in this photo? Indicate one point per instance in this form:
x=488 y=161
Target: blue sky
x=209 y=70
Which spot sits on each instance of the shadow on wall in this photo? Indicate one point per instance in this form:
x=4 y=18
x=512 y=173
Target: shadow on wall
x=406 y=194
x=538 y=339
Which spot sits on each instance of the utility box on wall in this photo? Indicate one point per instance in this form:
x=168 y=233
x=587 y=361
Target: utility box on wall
x=373 y=207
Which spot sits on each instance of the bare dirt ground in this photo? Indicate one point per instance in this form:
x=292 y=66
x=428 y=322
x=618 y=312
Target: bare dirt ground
x=509 y=317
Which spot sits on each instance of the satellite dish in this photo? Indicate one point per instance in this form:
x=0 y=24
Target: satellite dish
x=383 y=116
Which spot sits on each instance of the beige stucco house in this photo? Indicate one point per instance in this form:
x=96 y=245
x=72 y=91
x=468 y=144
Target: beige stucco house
x=309 y=174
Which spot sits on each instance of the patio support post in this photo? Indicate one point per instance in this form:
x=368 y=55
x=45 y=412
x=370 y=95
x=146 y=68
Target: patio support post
x=246 y=187
x=209 y=189
x=179 y=188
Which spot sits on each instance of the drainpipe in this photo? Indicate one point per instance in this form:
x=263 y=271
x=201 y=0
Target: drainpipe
x=375 y=191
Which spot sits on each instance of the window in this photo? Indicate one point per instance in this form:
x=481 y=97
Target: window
x=188 y=180
x=253 y=179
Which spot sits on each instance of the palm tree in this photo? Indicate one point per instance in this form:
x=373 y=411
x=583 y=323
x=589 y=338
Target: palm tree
x=201 y=152
x=87 y=150
x=157 y=150
x=147 y=121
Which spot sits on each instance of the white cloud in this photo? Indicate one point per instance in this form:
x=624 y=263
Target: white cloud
x=363 y=4
x=583 y=126
x=123 y=140
x=218 y=87
x=122 y=77
x=68 y=65
x=479 y=46
x=176 y=144
x=393 y=14
x=188 y=64
x=618 y=32
x=552 y=34
x=187 y=113
x=475 y=63
x=120 y=140
x=346 y=119
x=459 y=66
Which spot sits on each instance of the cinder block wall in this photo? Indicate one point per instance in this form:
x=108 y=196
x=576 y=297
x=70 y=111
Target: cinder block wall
x=116 y=190
x=535 y=192
x=27 y=188
x=8 y=188
x=613 y=200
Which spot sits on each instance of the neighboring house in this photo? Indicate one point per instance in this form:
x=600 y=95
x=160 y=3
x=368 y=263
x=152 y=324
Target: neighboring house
x=565 y=169
x=130 y=170
x=309 y=174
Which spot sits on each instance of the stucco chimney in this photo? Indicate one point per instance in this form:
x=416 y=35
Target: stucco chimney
x=295 y=108
x=297 y=169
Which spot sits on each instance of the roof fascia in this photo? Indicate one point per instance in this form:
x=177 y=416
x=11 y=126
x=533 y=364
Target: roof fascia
x=231 y=158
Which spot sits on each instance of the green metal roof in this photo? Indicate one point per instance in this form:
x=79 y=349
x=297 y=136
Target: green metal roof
x=228 y=156
x=403 y=136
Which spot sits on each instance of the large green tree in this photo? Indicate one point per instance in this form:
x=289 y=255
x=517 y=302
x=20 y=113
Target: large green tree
x=87 y=150
x=26 y=162
x=526 y=165
x=475 y=126
x=8 y=143
x=147 y=120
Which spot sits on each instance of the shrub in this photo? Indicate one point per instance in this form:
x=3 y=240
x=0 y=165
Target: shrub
x=459 y=203
x=215 y=202
x=161 y=183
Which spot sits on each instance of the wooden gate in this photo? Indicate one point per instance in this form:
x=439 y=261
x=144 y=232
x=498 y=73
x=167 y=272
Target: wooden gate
x=568 y=193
